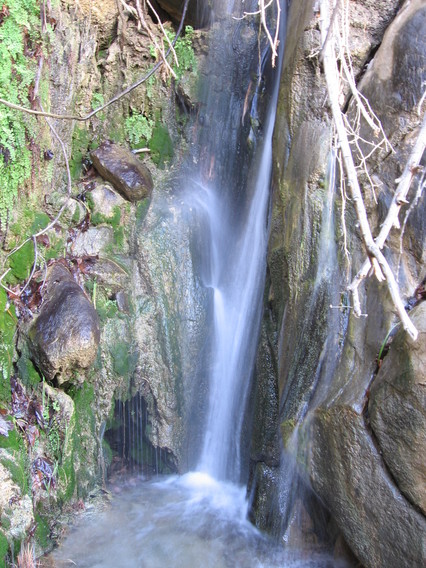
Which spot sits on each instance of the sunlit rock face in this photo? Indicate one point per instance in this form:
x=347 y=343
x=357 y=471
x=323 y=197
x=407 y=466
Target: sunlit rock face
x=347 y=471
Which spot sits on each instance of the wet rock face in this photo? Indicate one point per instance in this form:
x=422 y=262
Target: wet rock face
x=123 y=170
x=398 y=411
x=347 y=472
x=66 y=333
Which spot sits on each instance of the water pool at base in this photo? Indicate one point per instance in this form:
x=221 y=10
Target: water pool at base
x=191 y=521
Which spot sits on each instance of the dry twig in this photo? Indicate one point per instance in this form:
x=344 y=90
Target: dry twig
x=376 y=258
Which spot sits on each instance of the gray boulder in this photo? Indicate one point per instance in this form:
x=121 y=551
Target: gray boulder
x=398 y=410
x=66 y=333
x=130 y=177
x=382 y=528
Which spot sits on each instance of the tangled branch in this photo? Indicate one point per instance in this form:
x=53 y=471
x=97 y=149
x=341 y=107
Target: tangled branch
x=332 y=51
x=273 y=41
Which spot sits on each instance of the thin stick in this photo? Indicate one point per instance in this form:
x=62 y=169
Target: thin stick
x=398 y=199
x=378 y=261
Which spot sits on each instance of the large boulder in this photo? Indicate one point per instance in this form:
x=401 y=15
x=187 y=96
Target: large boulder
x=66 y=334
x=398 y=410
x=382 y=528
x=130 y=177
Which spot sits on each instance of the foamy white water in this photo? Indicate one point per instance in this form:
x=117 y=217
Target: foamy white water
x=188 y=522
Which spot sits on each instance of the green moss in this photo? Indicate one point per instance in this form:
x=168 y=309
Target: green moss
x=66 y=476
x=4 y=548
x=28 y=374
x=97 y=100
x=123 y=360
x=117 y=133
x=114 y=220
x=19 y=34
x=12 y=442
x=21 y=261
x=80 y=146
x=18 y=466
x=119 y=237
x=41 y=220
x=161 y=145
x=42 y=532
x=106 y=308
x=56 y=248
x=83 y=435
x=8 y=323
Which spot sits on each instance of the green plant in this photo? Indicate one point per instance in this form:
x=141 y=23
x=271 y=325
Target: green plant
x=385 y=342
x=97 y=100
x=184 y=52
x=138 y=129
x=19 y=35
x=8 y=323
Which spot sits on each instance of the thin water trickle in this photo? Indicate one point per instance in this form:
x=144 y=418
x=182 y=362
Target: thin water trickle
x=236 y=274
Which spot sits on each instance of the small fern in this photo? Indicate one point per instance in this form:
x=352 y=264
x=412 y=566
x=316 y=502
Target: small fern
x=184 y=52
x=138 y=129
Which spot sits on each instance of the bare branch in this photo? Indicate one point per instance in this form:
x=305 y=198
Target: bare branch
x=399 y=198
x=159 y=49
x=377 y=260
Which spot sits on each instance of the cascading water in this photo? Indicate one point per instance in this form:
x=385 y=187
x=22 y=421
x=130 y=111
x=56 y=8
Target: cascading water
x=201 y=517
x=236 y=275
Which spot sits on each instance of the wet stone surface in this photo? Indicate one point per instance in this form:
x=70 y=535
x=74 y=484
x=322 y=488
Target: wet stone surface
x=129 y=176
x=66 y=333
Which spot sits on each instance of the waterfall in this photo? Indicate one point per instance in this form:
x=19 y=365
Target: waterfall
x=200 y=518
x=233 y=198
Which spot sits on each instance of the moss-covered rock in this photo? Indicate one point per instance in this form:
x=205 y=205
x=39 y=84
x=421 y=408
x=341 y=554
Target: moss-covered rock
x=16 y=508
